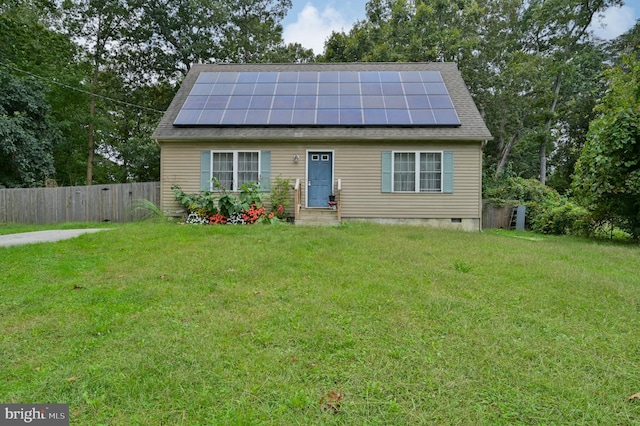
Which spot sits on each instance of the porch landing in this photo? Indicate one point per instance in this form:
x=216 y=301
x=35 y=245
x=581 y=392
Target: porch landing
x=317 y=217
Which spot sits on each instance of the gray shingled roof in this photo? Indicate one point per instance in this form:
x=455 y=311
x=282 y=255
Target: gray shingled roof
x=472 y=126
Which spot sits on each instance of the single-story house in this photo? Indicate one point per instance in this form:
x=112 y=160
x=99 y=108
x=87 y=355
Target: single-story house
x=389 y=142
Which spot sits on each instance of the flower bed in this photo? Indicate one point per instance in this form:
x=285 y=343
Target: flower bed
x=222 y=207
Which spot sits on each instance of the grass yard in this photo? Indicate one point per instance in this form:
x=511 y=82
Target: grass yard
x=162 y=324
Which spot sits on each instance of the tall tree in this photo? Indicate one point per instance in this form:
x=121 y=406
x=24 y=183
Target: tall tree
x=127 y=152
x=410 y=30
x=583 y=87
x=253 y=29
x=179 y=33
x=27 y=134
x=111 y=67
x=136 y=46
x=557 y=29
x=607 y=176
x=29 y=47
x=291 y=53
x=99 y=27
x=522 y=59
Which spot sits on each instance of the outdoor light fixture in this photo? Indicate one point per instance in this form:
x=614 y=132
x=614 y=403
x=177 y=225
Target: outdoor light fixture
x=296 y=158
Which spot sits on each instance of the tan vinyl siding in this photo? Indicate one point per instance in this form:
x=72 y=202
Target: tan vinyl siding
x=358 y=164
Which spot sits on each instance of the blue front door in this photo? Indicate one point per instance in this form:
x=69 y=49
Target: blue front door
x=320 y=183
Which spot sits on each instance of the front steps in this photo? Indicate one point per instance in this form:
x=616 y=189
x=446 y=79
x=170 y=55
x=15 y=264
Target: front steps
x=318 y=217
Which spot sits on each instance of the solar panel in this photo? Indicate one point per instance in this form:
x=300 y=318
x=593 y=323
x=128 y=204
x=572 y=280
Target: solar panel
x=319 y=98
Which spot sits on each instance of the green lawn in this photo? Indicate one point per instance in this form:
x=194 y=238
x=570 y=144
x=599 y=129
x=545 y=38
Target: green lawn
x=152 y=324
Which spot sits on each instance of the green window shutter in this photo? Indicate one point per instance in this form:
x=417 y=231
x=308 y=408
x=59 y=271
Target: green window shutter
x=387 y=161
x=205 y=170
x=265 y=171
x=447 y=176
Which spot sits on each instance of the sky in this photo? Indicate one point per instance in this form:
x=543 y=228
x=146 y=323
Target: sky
x=310 y=22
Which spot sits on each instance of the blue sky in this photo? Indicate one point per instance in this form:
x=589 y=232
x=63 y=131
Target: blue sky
x=310 y=22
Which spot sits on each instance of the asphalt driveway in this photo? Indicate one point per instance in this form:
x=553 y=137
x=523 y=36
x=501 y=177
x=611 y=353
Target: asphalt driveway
x=44 y=236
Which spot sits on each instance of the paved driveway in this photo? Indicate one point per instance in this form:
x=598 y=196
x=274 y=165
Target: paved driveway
x=44 y=236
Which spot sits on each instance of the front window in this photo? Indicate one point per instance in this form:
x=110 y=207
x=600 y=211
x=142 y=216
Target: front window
x=417 y=172
x=404 y=171
x=430 y=171
x=235 y=168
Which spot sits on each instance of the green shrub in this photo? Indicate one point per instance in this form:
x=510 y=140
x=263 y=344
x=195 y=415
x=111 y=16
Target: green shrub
x=563 y=217
x=547 y=211
x=204 y=203
x=229 y=204
x=281 y=196
x=517 y=190
x=250 y=195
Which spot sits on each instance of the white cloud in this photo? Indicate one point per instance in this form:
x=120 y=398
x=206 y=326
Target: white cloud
x=614 y=22
x=312 y=27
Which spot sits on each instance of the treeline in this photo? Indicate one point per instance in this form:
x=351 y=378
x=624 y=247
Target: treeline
x=562 y=105
x=84 y=82
x=533 y=67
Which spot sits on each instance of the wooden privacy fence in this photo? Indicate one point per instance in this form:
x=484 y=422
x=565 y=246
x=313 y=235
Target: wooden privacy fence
x=96 y=203
x=495 y=216
x=505 y=217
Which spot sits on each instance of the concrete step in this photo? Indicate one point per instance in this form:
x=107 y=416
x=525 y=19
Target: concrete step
x=318 y=217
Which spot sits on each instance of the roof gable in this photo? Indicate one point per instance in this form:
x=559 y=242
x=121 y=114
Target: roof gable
x=323 y=101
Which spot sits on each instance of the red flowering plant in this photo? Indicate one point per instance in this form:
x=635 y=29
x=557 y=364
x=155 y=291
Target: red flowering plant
x=253 y=214
x=217 y=219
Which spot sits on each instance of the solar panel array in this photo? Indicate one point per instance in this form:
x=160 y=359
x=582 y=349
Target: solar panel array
x=319 y=98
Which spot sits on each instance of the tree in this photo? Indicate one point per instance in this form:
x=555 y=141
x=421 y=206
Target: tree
x=410 y=31
x=558 y=28
x=109 y=68
x=529 y=64
x=252 y=29
x=133 y=47
x=127 y=151
x=628 y=42
x=293 y=53
x=174 y=34
x=30 y=48
x=582 y=89
x=607 y=176
x=27 y=135
x=99 y=27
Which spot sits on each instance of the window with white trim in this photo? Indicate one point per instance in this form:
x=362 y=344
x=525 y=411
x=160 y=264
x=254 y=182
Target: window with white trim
x=235 y=168
x=417 y=171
